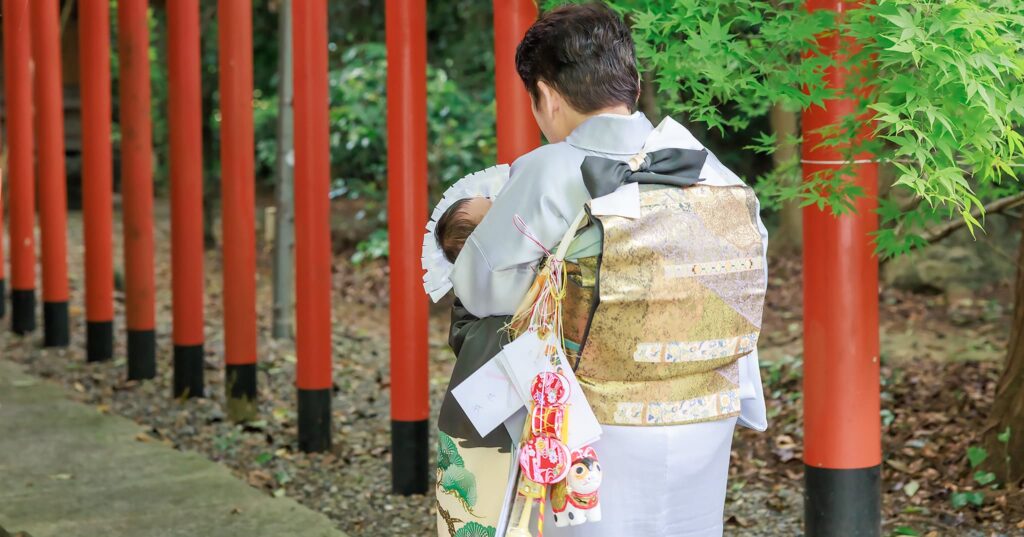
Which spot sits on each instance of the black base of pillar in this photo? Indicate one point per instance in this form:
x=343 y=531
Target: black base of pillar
x=141 y=354
x=240 y=389
x=409 y=456
x=188 y=371
x=3 y=298
x=314 y=420
x=842 y=502
x=56 y=324
x=23 y=311
x=99 y=341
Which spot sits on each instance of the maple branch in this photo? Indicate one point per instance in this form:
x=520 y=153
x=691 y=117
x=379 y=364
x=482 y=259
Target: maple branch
x=994 y=207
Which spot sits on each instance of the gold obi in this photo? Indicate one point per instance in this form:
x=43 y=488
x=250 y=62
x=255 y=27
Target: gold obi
x=658 y=321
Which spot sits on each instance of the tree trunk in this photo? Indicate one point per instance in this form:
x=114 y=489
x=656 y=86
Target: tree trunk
x=788 y=238
x=1006 y=458
x=284 y=233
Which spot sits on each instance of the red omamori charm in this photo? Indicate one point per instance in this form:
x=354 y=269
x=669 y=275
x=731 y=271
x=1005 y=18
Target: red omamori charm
x=549 y=388
x=544 y=460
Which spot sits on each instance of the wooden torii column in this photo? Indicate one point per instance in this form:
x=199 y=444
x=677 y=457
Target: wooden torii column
x=312 y=224
x=406 y=29
x=842 y=422
x=186 y=155
x=21 y=168
x=97 y=177
x=516 y=128
x=137 y=187
x=52 y=180
x=238 y=206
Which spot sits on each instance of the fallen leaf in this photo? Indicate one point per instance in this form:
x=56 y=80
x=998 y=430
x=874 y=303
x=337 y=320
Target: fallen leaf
x=898 y=465
x=911 y=488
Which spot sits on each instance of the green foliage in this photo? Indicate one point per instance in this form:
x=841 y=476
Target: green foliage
x=904 y=530
x=228 y=441
x=460 y=94
x=984 y=478
x=724 y=62
x=374 y=247
x=460 y=133
x=940 y=85
x=976 y=455
x=963 y=499
x=947 y=102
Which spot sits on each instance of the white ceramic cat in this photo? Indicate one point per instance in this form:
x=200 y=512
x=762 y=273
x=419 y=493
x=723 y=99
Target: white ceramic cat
x=574 y=500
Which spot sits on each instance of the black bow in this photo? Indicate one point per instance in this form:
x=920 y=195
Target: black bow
x=673 y=167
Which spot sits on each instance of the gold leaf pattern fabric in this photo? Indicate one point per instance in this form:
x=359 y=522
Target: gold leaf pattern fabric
x=680 y=295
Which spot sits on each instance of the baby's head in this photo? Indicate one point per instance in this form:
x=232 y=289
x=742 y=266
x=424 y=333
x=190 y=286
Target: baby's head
x=457 y=223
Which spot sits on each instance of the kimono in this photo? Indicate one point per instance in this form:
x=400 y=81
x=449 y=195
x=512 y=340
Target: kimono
x=660 y=478
x=471 y=470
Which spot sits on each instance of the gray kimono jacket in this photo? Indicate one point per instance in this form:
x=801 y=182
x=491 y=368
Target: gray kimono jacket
x=498 y=263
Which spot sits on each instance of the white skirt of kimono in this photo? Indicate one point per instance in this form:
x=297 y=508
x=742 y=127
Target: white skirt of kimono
x=659 y=481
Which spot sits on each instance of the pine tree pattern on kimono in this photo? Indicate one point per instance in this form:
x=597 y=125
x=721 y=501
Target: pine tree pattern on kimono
x=460 y=511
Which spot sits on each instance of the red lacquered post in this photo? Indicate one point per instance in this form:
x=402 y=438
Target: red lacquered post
x=238 y=206
x=3 y=279
x=21 y=164
x=312 y=226
x=517 y=130
x=137 y=187
x=97 y=177
x=406 y=29
x=52 y=187
x=842 y=424
x=186 y=133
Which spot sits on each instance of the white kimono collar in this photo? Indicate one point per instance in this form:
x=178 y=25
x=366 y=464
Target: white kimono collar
x=612 y=134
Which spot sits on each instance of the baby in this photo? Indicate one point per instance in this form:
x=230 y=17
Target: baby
x=457 y=223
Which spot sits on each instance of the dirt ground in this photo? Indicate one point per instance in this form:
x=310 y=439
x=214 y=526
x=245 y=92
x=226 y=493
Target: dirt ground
x=940 y=365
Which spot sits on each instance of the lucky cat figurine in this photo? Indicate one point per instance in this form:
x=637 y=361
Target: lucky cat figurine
x=574 y=500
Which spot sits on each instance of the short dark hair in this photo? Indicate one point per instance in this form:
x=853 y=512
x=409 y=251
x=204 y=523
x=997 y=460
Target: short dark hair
x=452 y=229
x=585 y=52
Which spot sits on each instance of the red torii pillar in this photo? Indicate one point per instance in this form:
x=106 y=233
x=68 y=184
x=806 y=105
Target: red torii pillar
x=842 y=424
x=3 y=281
x=312 y=225
x=186 y=137
x=21 y=169
x=137 y=187
x=517 y=130
x=406 y=29
x=52 y=187
x=97 y=177
x=238 y=206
